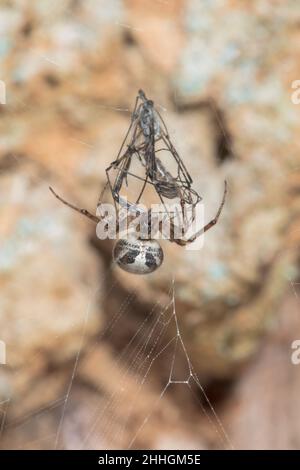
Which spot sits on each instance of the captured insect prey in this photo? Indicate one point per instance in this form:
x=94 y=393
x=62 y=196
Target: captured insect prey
x=147 y=168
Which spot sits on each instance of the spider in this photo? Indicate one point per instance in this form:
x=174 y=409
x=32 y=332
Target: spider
x=146 y=138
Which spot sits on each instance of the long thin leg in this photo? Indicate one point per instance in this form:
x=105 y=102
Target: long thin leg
x=111 y=188
x=102 y=194
x=167 y=140
x=142 y=190
x=90 y=216
x=115 y=187
x=139 y=178
x=133 y=117
x=207 y=226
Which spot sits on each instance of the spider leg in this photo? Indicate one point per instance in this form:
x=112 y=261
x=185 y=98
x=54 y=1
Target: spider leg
x=142 y=190
x=116 y=185
x=75 y=208
x=177 y=158
x=133 y=118
x=207 y=226
x=111 y=188
x=102 y=194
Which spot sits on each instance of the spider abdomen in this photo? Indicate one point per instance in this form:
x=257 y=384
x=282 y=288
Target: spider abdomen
x=138 y=256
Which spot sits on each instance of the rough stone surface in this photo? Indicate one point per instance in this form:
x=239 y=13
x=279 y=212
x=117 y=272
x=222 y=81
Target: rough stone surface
x=49 y=275
x=221 y=73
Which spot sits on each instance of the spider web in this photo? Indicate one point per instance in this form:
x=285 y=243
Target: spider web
x=158 y=338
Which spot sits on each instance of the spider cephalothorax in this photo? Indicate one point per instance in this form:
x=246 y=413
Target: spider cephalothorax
x=146 y=141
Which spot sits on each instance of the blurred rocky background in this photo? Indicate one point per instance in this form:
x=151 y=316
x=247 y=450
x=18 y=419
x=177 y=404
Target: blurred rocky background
x=90 y=348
